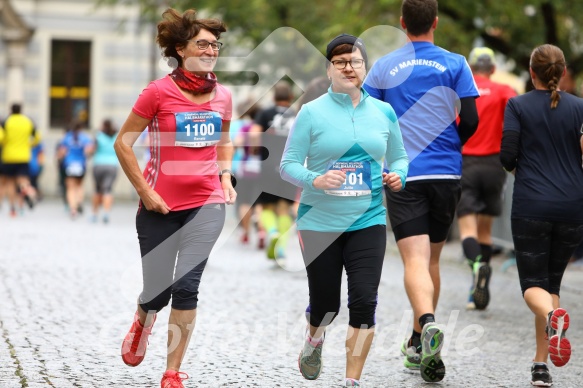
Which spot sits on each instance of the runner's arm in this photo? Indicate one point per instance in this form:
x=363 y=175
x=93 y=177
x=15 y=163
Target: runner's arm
x=468 y=119
x=225 y=153
x=129 y=133
x=509 y=149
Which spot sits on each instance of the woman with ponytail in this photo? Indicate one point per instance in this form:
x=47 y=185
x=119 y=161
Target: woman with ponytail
x=542 y=145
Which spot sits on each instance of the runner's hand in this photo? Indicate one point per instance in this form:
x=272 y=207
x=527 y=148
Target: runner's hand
x=230 y=193
x=153 y=202
x=333 y=179
x=393 y=181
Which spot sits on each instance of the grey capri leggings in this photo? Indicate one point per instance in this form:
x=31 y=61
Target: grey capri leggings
x=543 y=250
x=104 y=176
x=183 y=239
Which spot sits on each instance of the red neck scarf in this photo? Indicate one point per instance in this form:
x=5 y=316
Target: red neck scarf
x=193 y=83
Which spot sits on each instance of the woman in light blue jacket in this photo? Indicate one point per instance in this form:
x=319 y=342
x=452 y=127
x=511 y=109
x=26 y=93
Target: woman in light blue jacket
x=105 y=166
x=335 y=153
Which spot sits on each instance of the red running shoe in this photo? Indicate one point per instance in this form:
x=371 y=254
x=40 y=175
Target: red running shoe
x=173 y=379
x=133 y=348
x=244 y=238
x=261 y=239
x=559 y=346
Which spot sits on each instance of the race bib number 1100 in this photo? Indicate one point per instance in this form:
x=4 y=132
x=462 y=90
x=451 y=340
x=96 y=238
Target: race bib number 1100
x=358 y=181
x=197 y=129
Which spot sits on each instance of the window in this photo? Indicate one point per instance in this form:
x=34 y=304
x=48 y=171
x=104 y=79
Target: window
x=70 y=75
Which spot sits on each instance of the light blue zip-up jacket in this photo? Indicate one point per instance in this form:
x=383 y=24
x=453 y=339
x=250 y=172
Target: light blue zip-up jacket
x=329 y=129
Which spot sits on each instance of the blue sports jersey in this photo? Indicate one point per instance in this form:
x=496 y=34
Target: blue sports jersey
x=424 y=84
x=75 y=148
x=34 y=167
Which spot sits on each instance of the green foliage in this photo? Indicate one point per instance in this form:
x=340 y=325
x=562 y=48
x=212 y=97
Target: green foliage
x=511 y=28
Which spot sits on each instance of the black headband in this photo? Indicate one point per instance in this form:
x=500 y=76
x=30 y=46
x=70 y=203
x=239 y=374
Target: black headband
x=346 y=39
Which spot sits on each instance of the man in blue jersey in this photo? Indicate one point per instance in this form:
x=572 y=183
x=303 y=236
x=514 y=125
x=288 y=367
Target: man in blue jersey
x=429 y=88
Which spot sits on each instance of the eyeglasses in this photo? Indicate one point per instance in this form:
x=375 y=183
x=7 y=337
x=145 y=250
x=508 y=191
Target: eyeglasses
x=204 y=44
x=354 y=63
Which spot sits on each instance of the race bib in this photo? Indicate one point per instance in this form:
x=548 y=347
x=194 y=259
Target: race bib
x=251 y=166
x=358 y=181
x=75 y=169
x=197 y=129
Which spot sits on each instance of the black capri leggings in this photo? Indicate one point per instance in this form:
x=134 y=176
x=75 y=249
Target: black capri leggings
x=543 y=250
x=361 y=253
x=190 y=234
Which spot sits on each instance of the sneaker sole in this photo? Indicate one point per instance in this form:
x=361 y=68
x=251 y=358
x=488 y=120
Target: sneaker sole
x=432 y=367
x=539 y=383
x=559 y=346
x=302 y=372
x=411 y=365
x=481 y=292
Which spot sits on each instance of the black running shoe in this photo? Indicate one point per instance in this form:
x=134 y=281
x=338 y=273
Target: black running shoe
x=482 y=272
x=540 y=375
x=29 y=201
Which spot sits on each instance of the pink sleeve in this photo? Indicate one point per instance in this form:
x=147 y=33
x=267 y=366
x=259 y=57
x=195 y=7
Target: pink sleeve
x=148 y=102
x=229 y=108
x=228 y=100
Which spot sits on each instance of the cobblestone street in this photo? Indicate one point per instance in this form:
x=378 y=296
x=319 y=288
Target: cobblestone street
x=69 y=288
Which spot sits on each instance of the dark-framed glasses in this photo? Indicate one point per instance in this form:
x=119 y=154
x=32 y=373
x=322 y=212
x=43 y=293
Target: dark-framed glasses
x=204 y=44
x=354 y=63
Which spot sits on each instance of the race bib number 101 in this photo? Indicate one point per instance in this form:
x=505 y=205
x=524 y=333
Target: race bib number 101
x=358 y=181
x=197 y=129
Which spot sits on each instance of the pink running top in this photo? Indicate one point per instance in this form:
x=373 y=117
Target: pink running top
x=183 y=167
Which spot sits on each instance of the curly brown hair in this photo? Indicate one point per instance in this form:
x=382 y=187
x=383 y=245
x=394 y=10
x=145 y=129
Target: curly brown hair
x=548 y=63
x=177 y=29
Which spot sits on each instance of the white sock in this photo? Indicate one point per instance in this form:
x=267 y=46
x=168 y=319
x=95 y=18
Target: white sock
x=315 y=341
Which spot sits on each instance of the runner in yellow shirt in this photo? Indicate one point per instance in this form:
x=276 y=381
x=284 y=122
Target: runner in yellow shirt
x=17 y=137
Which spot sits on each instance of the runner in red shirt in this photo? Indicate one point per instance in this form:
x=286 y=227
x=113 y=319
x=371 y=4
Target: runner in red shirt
x=483 y=178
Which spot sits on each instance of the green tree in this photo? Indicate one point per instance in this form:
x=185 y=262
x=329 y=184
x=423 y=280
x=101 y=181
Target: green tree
x=511 y=28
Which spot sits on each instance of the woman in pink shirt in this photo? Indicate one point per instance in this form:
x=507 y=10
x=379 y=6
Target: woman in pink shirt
x=185 y=185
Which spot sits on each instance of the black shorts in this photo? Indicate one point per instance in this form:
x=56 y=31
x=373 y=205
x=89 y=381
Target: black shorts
x=14 y=169
x=483 y=182
x=273 y=188
x=268 y=198
x=543 y=250
x=423 y=207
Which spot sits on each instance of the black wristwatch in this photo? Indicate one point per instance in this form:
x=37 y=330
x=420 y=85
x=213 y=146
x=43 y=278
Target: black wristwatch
x=227 y=171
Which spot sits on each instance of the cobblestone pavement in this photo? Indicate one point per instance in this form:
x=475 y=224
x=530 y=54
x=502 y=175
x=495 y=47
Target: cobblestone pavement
x=68 y=293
